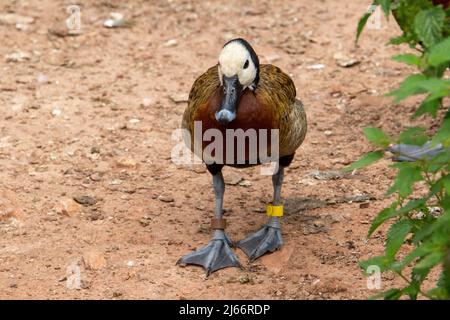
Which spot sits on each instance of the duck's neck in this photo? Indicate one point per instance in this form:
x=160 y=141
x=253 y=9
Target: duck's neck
x=255 y=83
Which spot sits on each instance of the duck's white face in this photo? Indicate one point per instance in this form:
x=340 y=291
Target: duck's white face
x=235 y=60
x=238 y=70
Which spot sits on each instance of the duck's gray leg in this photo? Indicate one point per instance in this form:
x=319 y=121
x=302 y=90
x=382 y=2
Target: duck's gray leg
x=268 y=238
x=217 y=254
x=411 y=153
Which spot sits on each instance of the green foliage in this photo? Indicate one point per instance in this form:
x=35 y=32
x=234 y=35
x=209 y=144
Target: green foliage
x=376 y=136
x=391 y=294
x=443 y=134
x=406 y=177
x=361 y=24
x=413 y=135
x=410 y=86
x=421 y=22
x=396 y=236
x=417 y=229
x=440 y=53
x=408 y=58
x=405 y=12
x=429 y=105
x=367 y=159
x=428 y=26
x=386 y=6
x=420 y=83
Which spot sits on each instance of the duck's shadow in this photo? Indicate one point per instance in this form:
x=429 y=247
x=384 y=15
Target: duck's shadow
x=298 y=211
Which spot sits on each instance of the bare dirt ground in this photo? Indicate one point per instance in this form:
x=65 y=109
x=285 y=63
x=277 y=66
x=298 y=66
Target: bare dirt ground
x=92 y=115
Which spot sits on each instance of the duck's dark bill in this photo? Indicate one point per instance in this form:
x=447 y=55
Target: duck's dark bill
x=232 y=90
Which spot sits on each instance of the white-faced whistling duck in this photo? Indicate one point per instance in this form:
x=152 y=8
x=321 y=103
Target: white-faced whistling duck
x=239 y=93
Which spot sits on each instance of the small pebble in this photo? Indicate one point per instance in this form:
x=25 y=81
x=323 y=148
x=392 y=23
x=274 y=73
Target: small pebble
x=170 y=43
x=56 y=112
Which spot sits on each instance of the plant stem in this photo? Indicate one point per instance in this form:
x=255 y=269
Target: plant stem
x=399 y=273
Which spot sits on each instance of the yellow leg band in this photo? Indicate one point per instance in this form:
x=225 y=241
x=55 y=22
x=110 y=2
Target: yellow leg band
x=274 y=211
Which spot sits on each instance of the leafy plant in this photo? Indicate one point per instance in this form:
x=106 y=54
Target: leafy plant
x=420 y=224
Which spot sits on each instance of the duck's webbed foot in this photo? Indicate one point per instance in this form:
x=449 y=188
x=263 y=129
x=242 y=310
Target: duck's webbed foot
x=411 y=153
x=268 y=238
x=214 y=256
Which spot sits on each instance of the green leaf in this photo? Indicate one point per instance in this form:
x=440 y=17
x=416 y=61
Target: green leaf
x=419 y=83
x=405 y=12
x=440 y=161
x=446 y=184
x=399 y=40
x=394 y=295
x=382 y=216
x=380 y=261
x=417 y=277
x=391 y=294
x=433 y=71
x=396 y=237
x=430 y=260
x=428 y=25
x=415 y=204
x=377 y=137
x=440 y=236
x=385 y=6
x=418 y=252
x=390 y=212
x=443 y=133
x=444 y=281
x=361 y=24
x=430 y=106
x=406 y=177
x=442 y=289
x=413 y=135
x=408 y=58
x=420 y=272
x=424 y=232
x=437 y=87
x=409 y=86
x=366 y=160
x=440 y=53
x=445 y=202
x=412 y=290
x=436 y=186
x=431 y=228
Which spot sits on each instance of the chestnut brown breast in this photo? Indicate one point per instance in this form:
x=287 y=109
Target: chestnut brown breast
x=251 y=114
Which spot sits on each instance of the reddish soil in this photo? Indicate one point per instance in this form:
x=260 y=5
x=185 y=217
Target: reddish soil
x=101 y=127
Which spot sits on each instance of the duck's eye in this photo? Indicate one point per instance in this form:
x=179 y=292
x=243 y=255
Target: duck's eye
x=246 y=64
